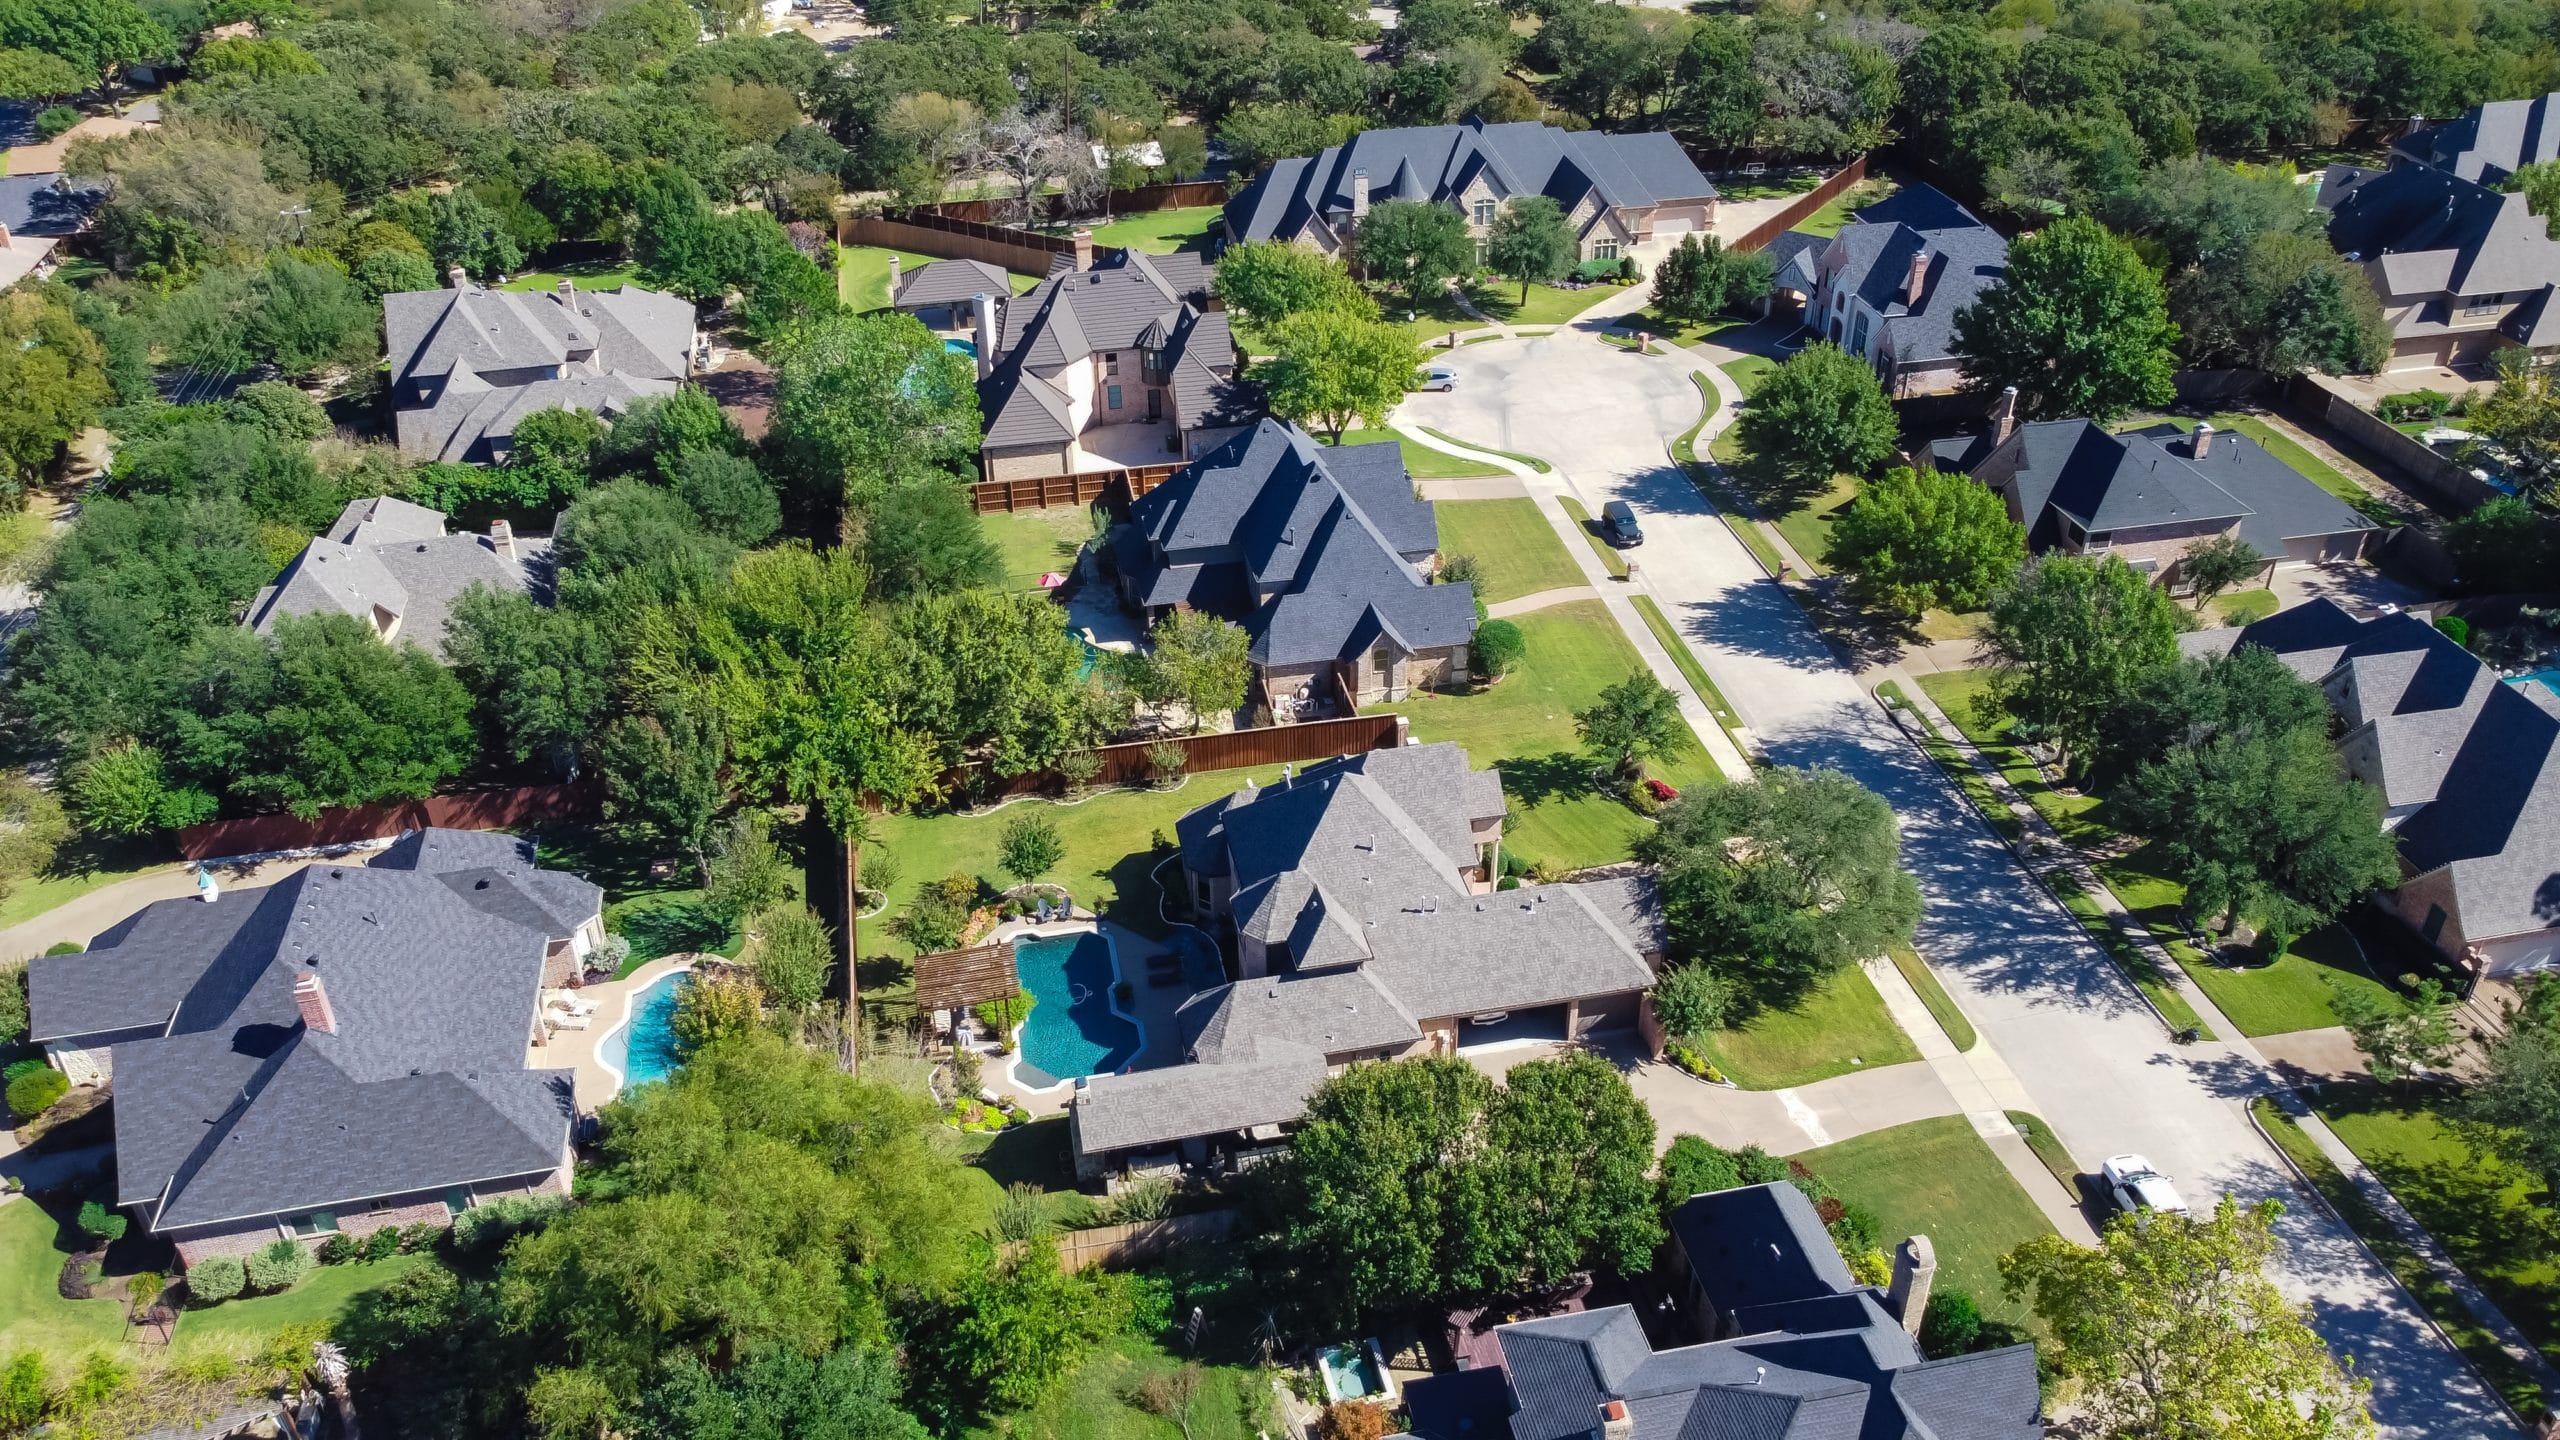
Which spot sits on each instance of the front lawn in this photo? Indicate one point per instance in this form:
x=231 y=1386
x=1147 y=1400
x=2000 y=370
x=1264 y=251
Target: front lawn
x=1097 y=1401
x=1840 y=1026
x=1965 y=696
x=80 y=867
x=1031 y=543
x=1749 y=372
x=1937 y=1178
x=241 y=1328
x=1610 y=559
x=1160 y=232
x=34 y=1241
x=1524 y=727
x=1514 y=543
x=1808 y=526
x=2293 y=993
x=1421 y=461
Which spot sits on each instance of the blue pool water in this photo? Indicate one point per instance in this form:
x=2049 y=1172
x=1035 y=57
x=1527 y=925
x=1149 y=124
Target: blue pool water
x=1073 y=1030
x=1349 y=1374
x=962 y=347
x=2547 y=679
x=645 y=1048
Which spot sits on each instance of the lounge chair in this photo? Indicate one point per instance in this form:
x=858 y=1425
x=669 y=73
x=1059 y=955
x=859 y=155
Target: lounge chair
x=1040 y=916
x=569 y=1003
x=562 y=1020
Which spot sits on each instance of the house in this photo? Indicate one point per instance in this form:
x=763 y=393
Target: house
x=339 y=1052
x=1112 y=365
x=37 y=213
x=1360 y=922
x=468 y=363
x=2152 y=494
x=2464 y=269
x=1887 y=287
x=943 y=294
x=2469 y=769
x=1617 y=191
x=1812 y=1356
x=392 y=565
x=1323 y=555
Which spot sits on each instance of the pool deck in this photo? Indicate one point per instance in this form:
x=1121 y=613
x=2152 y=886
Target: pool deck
x=1153 y=1007
x=575 y=1050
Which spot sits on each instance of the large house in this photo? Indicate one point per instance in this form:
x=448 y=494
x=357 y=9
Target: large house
x=1786 y=1346
x=2152 y=494
x=392 y=565
x=468 y=363
x=1617 y=191
x=2469 y=769
x=2463 y=268
x=1887 y=287
x=1116 y=364
x=341 y=1051
x=1323 y=555
x=1358 y=910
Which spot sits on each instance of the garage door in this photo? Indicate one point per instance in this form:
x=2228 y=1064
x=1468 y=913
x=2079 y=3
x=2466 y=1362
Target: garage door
x=1675 y=222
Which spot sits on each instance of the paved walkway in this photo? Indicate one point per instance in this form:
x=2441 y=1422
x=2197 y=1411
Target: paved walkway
x=1784 y=1122
x=1523 y=604
x=1494 y=487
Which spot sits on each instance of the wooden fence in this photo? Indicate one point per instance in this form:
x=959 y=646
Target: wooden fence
x=1115 y=487
x=1803 y=205
x=1020 y=251
x=1128 y=764
x=1120 y=1246
x=1179 y=195
x=476 y=810
x=2320 y=401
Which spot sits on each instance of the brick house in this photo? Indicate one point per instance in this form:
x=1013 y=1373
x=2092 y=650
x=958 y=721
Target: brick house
x=468 y=363
x=393 y=565
x=1887 y=287
x=344 y=1050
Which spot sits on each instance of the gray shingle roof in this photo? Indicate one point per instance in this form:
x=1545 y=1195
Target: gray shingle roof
x=390 y=554
x=487 y=358
x=951 y=282
x=2433 y=231
x=1759 y=1245
x=2489 y=142
x=1157 y=1107
x=47 y=205
x=1129 y=301
x=2109 y=483
x=1872 y=256
x=227 y=1106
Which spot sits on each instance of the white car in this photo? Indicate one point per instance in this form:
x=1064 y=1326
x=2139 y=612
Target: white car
x=2138 y=1188
x=1441 y=378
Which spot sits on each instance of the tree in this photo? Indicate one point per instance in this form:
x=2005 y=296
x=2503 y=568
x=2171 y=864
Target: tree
x=2068 y=637
x=1917 y=539
x=35 y=75
x=1531 y=243
x=1256 y=135
x=850 y=1393
x=54 y=371
x=1030 y=847
x=99 y=36
x=1784 y=880
x=2512 y=1108
x=2247 y=692
x=1034 y=149
x=792 y=956
x=1021 y=1323
x=32 y=828
x=2400 y=1038
x=731 y=495
x=1267 y=281
x=550 y=447
x=1691 y=1000
x=1415 y=245
x=1387 y=1181
x=1499 y=649
x=1718 y=98
x=2538 y=183
x=1635 y=720
x=656 y=434
x=1693 y=1166
x=123 y=789
x=628 y=525
x=541 y=676
x=1820 y=414
x=1333 y=367
x=680 y=242
x=866 y=404
x=1201 y=660
x=2173 y=1328
x=2213 y=566
x=663 y=777
x=924 y=539
x=1700 y=279
x=1573 y=1148
x=2502 y=545
x=463 y=231
x=2079 y=324
x=749 y=873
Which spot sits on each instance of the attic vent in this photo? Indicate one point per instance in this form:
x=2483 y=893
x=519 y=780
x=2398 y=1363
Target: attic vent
x=479 y=884
x=337 y=874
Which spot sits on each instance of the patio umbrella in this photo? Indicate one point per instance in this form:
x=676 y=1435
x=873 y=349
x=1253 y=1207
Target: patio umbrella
x=1052 y=580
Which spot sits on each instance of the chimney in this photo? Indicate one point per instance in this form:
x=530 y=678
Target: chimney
x=1915 y=1269
x=457 y=279
x=502 y=537
x=568 y=292
x=1359 y=194
x=2203 y=441
x=1918 y=279
x=1084 y=249
x=4 y=237
x=893 y=276
x=985 y=305
x=1615 y=1422
x=2004 y=416
x=313 y=1002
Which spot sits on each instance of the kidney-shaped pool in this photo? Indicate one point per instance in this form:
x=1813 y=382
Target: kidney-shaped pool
x=1077 y=1028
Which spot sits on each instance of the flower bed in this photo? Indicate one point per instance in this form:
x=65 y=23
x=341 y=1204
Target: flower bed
x=977 y=1117
x=1693 y=1062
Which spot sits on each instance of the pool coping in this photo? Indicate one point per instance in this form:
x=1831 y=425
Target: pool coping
x=633 y=988
x=1013 y=1060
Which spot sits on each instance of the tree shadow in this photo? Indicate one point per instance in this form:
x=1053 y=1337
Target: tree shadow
x=1134 y=903
x=678 y=927
x=1535 y=779
x=1033 y=1154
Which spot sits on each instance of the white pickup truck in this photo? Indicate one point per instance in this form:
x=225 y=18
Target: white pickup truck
x=2137 y=1188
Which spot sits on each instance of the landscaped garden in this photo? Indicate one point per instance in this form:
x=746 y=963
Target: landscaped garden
x=1033 y=543
x=1937 y=1178
x=1106 y=1398
x=1514 y=543
x=1840 y=1026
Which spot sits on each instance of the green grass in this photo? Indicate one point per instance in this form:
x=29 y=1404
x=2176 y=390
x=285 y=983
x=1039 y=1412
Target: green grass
x=1960 y=769
x=1730 y=507
x=588 y=275
x=1160 y=232
x=2311 y=467
x=1937 y=1178
x=1749 y=373
x=79 y=868
x=1500 y=302
x=862 y=275
x=2128 y=953
x=1610 y=559
x=1095 y=1402
x=1840 y=1026
x=1808 y=526
x=1514 y=543
x=1942 y=1007
x=668 y=922
x=1965 y=696
x=2476 y=1208
x=1699 y=680
x=1768 y=189
x=1031 y=543
x=1835 y=213
x=1532 y=461
x=243 y=1327
x=34 y=1241
x=2245 y=606
x=1524 y=727
x=1678 y=332
x=2048 y=1148
x=2294 y=993
x=1423 y=462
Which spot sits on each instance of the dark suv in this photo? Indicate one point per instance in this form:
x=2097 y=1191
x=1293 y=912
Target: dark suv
x=1618 y=524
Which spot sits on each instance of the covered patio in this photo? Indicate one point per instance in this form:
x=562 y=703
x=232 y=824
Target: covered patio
x=1125 y=447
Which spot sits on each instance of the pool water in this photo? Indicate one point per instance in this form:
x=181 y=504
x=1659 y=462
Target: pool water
x=962 y=347
x=1348 y=1372
x=2547 y=679
x=1074 y=1029
x=644 y=1047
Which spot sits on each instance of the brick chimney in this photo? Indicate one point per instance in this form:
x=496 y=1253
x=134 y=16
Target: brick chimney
x=1359 y=194
x=2202 y=444
x=1915 y=1269
x=893 y=275
x=2004 y=416
x=1918 y=280
x=1084 y=248
x=457 y=279
x=985 y=306
x=502 y=537
x=313 y=1002
x=1615 y=1422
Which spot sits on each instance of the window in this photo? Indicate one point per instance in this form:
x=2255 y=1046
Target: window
x=1112 y=395
x=2482 y=304
x=1381 y=658
x=1858 y=335
x=1484 y=212
x=457 y=1200
x=318 y=1222
x=1604 y=250
x=1111 y=362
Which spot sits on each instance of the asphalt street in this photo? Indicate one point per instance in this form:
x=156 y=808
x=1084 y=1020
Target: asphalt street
x=2095 y=1061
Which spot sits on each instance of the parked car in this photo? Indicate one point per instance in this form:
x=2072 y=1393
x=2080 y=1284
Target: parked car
x=2138 y=1189
x=1618 y=524
x=1440 y=377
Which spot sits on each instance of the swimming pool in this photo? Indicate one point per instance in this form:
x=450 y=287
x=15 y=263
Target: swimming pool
x=1077 y=1028
x=961 y=347
x=642 y=1048
x=2547 y=679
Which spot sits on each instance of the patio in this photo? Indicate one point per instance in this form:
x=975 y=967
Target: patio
x=1124 y=447
x=575 y=1050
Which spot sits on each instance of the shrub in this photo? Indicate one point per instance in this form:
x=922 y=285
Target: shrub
x=338 y=1249
x=1693 y=1166
x=382 y=1244
x=1691 y=999
x=280 y=1266
x=2456 y=629
x=1168 y=760
x=1857 y=1229
x=421 y=1236
x=612 y=955
x=64 y=947
x=53 y=120
x=940 y=911
x=1499 y=648
x=1147 y=1198
x=1596 y=270
x=1462 y=568
x=100 y=1223
x=1352 y=1420
x=1628 y=270
x=1869 y=1267
x=1950 y=1325
x=24 y=1390
x=2414 y=405
x=486 y=1225
x=143 y=1290
x=1078 y=768
x=32 y=1095
x=215 y=1278
x=20 y=1069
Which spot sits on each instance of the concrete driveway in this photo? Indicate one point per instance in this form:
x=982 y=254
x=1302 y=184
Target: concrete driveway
x=2098 y=1066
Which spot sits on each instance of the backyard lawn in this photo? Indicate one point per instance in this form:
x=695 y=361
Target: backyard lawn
x=1421 y=461
x=1098 y=1401
x=862 y=275
x=34 y=1241
x=668 y=922
x=243 y=1327
x=1829 y=219
x=588 y=274
x=1160 y=232
x=1937 y=1178
x=80 y=867
x=2245 y=606
x=1841 y=1026
x=1512 y=541
x=1031 y=543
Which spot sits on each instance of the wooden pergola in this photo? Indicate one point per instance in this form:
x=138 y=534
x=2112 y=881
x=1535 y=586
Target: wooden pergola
x=954 y=980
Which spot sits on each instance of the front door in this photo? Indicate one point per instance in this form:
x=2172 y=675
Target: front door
x=1155 y=404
